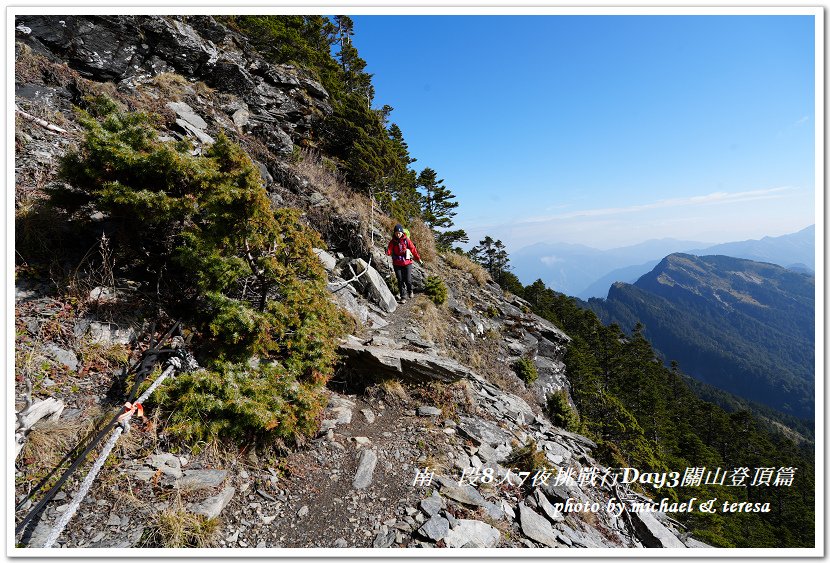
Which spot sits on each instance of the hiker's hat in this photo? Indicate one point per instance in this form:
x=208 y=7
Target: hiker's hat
x=398 y=229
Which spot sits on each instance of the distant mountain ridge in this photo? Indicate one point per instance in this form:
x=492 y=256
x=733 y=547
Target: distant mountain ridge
x=743 y=326
x=571 y=268
x=585 y=272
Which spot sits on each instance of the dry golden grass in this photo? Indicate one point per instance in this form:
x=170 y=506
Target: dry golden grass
x=98 y=356
x=47 y=443
x=429 y=318
x=437 y=463
x=393 y=388
x=170 y=85
x=176 y=527
x=322 y=173
x=424 y=240
x=463 y=263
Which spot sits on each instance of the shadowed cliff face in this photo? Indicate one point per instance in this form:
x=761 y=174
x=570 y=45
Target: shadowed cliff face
x=277 y=103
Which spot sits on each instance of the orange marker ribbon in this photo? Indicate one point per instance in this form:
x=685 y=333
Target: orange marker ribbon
x=129 y=409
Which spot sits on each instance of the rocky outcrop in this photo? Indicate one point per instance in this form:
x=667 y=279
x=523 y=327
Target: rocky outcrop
x=278 y=103
x=389 y=362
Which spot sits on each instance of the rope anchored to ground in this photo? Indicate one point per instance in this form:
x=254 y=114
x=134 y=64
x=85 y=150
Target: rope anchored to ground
x=123 y=424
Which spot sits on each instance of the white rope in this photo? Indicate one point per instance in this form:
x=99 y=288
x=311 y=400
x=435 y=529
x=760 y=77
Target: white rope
x=175 y=364
x=39 y=121
x=79 y=496
x=355 y=277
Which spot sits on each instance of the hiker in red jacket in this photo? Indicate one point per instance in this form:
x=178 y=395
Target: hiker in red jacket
x=402 y=250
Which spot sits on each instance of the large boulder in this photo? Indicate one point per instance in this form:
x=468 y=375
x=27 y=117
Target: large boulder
x=652 y=533
x=372 y=285
x=389 y=362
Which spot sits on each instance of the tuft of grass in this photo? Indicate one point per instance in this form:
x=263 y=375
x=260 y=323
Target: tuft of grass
x=463 y=263
x=176 y=527
x=170 y=85
x=528 y=458
x=429 y=318
x=393 y=388
x=47 y=442
x=101 y=357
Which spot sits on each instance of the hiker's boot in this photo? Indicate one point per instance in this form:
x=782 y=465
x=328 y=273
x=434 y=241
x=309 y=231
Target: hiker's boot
x=402 y=299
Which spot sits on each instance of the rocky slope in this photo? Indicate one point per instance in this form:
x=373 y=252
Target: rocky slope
x=424 y=396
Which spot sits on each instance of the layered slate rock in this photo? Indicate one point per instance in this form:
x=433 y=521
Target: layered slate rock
x=372 y=285
x=367 y=459
x=536 y=527
x=472 y=533
x=652 y=533
x=388 y=362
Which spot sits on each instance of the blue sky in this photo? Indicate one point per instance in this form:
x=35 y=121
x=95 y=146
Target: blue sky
x=606 y=130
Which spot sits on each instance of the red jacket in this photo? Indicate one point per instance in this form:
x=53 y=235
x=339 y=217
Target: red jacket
x=397 y=250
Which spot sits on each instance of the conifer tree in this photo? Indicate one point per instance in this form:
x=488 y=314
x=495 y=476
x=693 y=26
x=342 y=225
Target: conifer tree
x=438 y=206
x=491 y=254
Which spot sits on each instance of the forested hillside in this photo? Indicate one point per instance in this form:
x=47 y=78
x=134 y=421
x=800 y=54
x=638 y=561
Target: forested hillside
x=644 y=414
x=741 y=326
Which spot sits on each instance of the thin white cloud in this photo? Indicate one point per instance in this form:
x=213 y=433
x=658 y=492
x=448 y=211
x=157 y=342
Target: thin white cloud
x=716 y=198
x=803 y=120
x=550 y=260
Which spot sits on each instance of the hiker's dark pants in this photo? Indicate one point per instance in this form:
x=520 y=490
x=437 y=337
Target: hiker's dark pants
x=404 y=275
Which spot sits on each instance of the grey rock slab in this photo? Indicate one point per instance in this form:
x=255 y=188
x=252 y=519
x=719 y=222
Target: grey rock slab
x=472 y=533
x=241 y=117
x=550 y=511
x=464 y=494
x=196 y=479
x=372 y=283
x=186 y=113
x=110 y=333
x=303 y=512
x=366 y=461
x=329 y=262
x=384 y=539
x=431 y=505
x=340 y=543
x=536 y=527
x=652 y=533
x=213 y=506
x=493 y=510
x=428 y=411
x=483 y=432
x=168 y=464
x=368 y=415
x=416 y=366
x=341 y=409
x=200 y=135
x=697 y=544
x=385 y=342
x=435 y=528
x=65 y=357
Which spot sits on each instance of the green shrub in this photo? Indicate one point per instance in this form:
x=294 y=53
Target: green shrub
x=266 y=404
x=392 y=284
x=436 y=290
x=243 y=273
x=560 y=411
x=528 y=458
x=526 y=369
